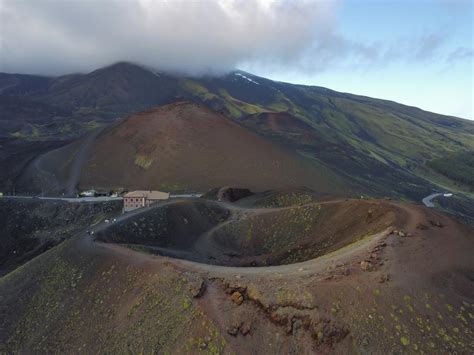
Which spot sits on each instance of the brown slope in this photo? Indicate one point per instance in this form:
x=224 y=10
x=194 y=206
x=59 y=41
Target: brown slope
x=185 y=146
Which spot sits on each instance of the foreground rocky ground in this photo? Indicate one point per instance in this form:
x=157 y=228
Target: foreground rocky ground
x=404 y=285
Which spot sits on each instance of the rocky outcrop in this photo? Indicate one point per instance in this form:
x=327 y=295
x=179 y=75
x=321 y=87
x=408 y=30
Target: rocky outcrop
x=227 y=194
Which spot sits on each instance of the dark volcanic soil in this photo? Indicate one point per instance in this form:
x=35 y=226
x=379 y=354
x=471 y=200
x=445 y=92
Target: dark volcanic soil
x=57 y=172
x=15 y=155
x=175 y=225
x=32 y=226
x=221 y=233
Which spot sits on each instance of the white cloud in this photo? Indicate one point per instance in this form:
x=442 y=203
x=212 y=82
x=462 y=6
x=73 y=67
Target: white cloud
x=54 y=37
x=193 y=36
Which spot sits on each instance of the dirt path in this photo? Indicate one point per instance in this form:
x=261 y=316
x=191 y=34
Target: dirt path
x=48 y=181
x=408 y=218
x=79 y=159
x=309 y=267
x=204 y=248
x=44 y=177
x=204 y=244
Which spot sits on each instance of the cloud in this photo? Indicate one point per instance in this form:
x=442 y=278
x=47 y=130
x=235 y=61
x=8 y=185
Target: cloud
x=429 y=44
x=195 y=37
x=460 y=53
x=54 y=37
x=414 y=49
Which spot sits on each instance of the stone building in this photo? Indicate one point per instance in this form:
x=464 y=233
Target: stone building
x=138 y=199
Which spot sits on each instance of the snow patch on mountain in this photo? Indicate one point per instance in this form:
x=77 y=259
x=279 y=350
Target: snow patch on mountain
x=247 y=78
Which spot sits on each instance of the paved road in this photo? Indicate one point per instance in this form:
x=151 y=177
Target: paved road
x=68 y=199
x=427 y=200
x=185 y=195
x=96 y=199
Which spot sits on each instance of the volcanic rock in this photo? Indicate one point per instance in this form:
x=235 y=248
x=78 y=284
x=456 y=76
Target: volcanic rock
x=366 y=265
x=237 y=298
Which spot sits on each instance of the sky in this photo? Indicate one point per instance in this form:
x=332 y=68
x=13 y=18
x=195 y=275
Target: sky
x=417 y=52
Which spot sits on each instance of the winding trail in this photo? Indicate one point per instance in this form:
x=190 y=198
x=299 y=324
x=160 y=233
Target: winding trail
x=408 y=217
x=204 y=244
x=79 y=160
x=44 y=177
x=316 y=266
x=50 y=179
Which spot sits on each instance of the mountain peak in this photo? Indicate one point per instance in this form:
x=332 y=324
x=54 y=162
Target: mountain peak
x=119 y=66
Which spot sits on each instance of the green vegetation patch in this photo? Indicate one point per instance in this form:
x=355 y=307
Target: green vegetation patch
x=237 y=107
x=288 y=199
x=196 y=88
x=143 y=161
x=458 y=167
x=18 y=134
x=92 y=125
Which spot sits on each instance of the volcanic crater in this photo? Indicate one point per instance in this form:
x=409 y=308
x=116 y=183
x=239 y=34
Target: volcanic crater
x=284 y=230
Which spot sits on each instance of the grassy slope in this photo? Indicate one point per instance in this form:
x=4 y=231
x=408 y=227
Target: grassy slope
x=458 y=167
x=74 y=300
x=380 y=144
x=398 y=133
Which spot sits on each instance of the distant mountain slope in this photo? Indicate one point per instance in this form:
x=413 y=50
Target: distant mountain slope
x=381 y=145
x=26 y=117
x=111 y=92
x=22 y=85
